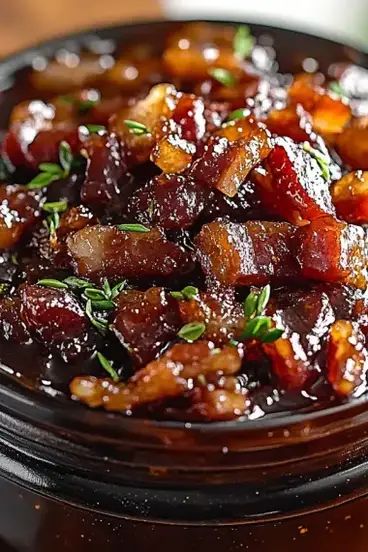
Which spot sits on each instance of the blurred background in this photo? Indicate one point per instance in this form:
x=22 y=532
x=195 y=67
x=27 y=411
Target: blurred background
x=25 y=22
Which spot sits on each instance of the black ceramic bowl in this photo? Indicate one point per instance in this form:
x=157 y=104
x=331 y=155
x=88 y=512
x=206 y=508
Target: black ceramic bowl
x=77 y=479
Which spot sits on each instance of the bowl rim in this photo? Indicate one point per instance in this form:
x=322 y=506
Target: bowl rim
x=51 y=407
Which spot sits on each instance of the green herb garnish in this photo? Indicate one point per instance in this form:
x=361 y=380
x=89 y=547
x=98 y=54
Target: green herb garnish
x=52 y=283
x=76 y=283
x=243 y=42
x=223 y=76
x=258 y=326
x=53 y=171
x=238 y=114
x=4 y=288
x=107 y=365
x=95 y=128
x=133 y=228
x=188 y=293
x=53 y=220
x=322 y=160
x=336 y=88
x=192 y=331
x=100 y=324
x=83 y=106
x=136 y=128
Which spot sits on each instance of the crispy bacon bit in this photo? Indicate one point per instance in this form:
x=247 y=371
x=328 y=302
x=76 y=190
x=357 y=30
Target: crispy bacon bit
x=106 y=251
x=350 y=197
x=145 y=322
x=169 y=376
x=19 y=210
x=333 y=251
x=254 y=253
x=347 y=360
x=294 y=187
x=57 y=320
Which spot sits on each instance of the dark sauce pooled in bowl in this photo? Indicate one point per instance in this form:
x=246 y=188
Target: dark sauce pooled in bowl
x=183 y=229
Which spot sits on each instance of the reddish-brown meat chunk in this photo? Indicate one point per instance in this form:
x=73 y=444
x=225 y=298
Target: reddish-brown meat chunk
x=293 y=121
x=222 y=314
x=19 y=210
x=57 y=320
x=352 y=146
x=254 y=253
x=71 y=221
x=305 y=316
x=225 y=165
x=347 y=360
x=294 y=187
x=350 y=197
x=105 y=168
x=169 y=376
x=145 y=322
x=333 y=251
x=172 y=202
x=106 y=251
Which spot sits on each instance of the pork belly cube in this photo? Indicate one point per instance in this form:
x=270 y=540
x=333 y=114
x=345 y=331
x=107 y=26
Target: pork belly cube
x=170 y=201
x=350 y=197
x=222 y=315
x=329 y=114
x=105 y=168
x=150 y=111
x=305 y=316
x=347 y=360
x=107 y=252
x=57 y=320
x=352 y=146
x=169 y=376
x=292 y=121
x=225 y=165
x=19 y=210
x=332 y=251
x=294 y=187
x=145 y=321
x=253 y=253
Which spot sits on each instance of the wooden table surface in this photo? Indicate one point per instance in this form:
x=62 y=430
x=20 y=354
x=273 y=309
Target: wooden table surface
x=26 y=22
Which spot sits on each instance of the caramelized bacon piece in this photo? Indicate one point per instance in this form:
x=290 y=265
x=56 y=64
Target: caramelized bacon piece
x=106 y=251
x=347 y=360
x=19 y=210
x=332 y=251
x=149 y=111
x=169 y=376
x=254 y=253
x=219 y=404
x=170 y=201
x=71 y=221
x=292 y=121
x=294 y=187
x=222 y=314
x=145 y=321
x=105 y=168
x=329 y=114
x=57 y=320
x=352 y=146
x=350 y=197
x=172 y=153
x=225 y=165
